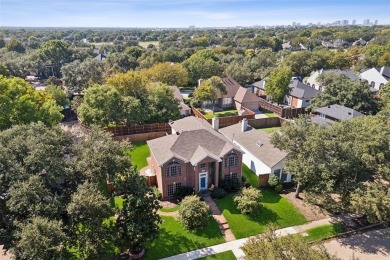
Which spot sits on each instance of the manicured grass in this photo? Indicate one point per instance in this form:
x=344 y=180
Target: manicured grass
x=175 y=208
x=275 y=210
x=325 y=231
x=250 y=176
x=268 y=113
x=228 y=255
x=145 y=44
x=270 y=130
x=139 y=154
x=174 y=239
x=210 y=115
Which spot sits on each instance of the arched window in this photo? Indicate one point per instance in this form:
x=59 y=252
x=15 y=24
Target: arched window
x=372 y=84
x=381 y=86
x=231 y=160
x=320 y=88
x=314 y=86
x=173 y=169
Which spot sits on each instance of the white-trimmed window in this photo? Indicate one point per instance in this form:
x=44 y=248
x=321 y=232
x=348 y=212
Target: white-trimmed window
x=231 y=160
x=232 y=176
x=177 y=186
x=173 y=169
x=277 y=173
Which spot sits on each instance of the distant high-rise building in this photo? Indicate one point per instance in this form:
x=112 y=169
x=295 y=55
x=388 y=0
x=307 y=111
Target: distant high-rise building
x=294 y=23
x=353 y=22
x=376 y=22
x=366 y=22
x=344 y=22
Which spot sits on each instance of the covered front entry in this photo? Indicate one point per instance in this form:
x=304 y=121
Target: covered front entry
x=203 y=181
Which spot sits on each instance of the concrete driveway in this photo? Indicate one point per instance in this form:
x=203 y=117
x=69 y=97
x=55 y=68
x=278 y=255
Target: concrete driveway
x=366 y=246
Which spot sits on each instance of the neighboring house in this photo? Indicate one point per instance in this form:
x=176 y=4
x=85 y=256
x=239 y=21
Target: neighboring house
x=359 y=42
x=194 y=155
x=376 y=77
x=289 y=47
x=259 y=87
x=334 y=113
x=232 y=86
x=337 y=44
x=184 y=109
x=300 y=94
x=247 y=99
x=259 y=154
x=313 y=80
x=101 y=57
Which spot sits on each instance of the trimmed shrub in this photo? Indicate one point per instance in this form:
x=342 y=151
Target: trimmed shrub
x=273 y=181
x=248 y=201
x=194 y=214
x=230 y=185
x=183 y=192
x=218 y=193
x=157 y=193
x=278 y=188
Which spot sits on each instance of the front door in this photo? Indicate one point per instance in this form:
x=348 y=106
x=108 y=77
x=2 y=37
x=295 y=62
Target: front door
x=203 y=181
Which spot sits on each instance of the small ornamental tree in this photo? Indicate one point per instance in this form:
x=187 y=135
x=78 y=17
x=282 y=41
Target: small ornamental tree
x=273 y=181
x=248 y=201
x=194 y=214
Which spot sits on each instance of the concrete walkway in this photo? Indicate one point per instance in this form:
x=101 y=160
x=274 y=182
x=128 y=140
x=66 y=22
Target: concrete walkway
x=222 y=222
x=236 y=245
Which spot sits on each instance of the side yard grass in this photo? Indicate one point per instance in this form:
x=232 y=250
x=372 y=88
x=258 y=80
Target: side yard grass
x=139 y=154
x=228 y=255
x=231 y=112
x=268 y=113
x=270 y=130
x=250 y=176
x=173 y=209
x=325 y=231
x=175 y=239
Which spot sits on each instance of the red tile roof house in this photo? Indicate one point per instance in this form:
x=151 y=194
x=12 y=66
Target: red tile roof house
x=194 y=155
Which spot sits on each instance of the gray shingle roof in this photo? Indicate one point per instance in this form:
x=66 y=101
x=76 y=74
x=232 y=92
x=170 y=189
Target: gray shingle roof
x=231 y=86
x=301 y=90
x=260 y=84
x=338 y=112
x=243 y=96
x=189 y=123
x=267 y=152
x=191 y=146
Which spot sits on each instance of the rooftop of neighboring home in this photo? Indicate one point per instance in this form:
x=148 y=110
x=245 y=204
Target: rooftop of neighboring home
x=193 y=141
x=384 y=71
x=231 y=86
x=260 y=84
x=256 y=142
x=243 y=96
x=338 y=112
x=301 y=90
x=177 y=95
x=312 y=79
x=101 y=57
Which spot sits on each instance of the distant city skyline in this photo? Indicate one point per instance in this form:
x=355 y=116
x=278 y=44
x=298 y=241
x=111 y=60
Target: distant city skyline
x=184 y=13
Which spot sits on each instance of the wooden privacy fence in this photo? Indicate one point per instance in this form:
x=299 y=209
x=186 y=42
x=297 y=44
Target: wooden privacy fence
x=265 y=122
x=135 y=129
x=285 y=112
x=227 y=120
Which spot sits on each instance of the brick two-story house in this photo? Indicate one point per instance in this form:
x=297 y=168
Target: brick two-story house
x=194 y=155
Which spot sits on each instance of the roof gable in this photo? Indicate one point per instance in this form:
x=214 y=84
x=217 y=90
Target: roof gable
x=231 y=86
x=243 y=96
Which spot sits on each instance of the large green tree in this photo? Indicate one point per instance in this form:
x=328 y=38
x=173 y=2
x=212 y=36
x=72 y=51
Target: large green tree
x=22 y=104
x=162 y=104
x=341 y=90
x=278 y=84
x=137 y=222
x=172 y=74
x=210 y=89
x=55 y=54
x=201 y=65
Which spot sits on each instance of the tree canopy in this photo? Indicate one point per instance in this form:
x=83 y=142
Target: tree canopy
x=339 y=89
x=278 y=84
x=22 y=104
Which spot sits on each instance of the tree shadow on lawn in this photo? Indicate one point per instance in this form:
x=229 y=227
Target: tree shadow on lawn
x=270 y=196
x=265 y=217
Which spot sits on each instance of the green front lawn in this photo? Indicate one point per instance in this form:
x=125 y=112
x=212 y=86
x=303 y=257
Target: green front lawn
x=175 y=239
x=325 y=231
x=231 y=112
x=139 y=154
x=250 y=176
x=173 y=209
x=228 y=255
x=276 y=210
x=270 y=130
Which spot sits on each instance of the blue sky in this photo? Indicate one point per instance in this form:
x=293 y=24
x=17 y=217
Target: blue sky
x=183 y=13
